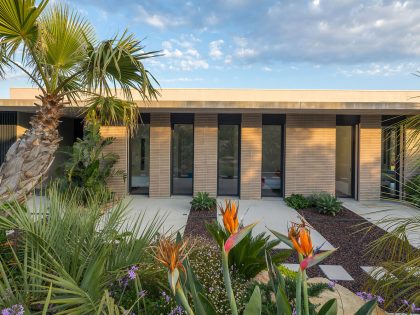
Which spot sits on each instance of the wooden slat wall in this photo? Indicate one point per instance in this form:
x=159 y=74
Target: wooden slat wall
x=160 y=155
x=310 y=154
x=8 y=121
x=205 y=153
x=251 y=156
x=370 y=157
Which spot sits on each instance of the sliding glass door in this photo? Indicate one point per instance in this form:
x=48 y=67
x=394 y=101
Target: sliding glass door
x=182 y=154
x=228 y=155
x=140 y=157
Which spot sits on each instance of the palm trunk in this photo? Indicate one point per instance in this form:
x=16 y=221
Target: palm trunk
x=30 y=157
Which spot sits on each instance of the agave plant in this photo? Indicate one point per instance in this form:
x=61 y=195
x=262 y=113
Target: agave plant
x=57 y=50
x=71 y=249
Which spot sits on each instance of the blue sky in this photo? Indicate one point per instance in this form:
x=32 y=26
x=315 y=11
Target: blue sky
x=286 y=44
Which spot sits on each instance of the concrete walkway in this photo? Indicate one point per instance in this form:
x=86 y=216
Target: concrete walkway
x=174 y=209
x=272 y=213
x=376 y=211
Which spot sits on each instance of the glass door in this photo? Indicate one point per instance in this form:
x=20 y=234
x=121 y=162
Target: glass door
x=390 y=163
x=344 y=161
x=140 y=157
x=182 y=159
x=272 y=161
x=228 y=155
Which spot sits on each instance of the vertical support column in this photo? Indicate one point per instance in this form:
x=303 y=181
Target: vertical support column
x=205 y=153
x=117 y=184
x=251 y=156
x=310 y=154
x=370 y=157
x=160 y=155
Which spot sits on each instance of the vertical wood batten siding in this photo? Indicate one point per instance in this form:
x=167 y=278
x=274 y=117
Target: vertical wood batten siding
x=160 y=155
x=117 y=184
x=205 y=153
x=310 y=154
x=370 y=157
x=251 y=156
x=8 y=121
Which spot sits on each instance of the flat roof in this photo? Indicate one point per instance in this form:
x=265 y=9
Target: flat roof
x=244 y=100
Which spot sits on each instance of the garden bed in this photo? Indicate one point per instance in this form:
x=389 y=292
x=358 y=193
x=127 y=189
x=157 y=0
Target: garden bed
x=196 y=223
x=348 y=232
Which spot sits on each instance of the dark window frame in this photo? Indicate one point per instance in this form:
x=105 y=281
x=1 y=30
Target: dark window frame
x=144 y=118
x=230 y=119
x=277 y=119
x=181 y=119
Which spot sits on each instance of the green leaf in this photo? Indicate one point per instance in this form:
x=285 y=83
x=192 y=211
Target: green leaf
x=282 y=302
x=47 y=301
x=209 y=309
x=329 y=308
x=254 y=305
x=282 y=237
x=173 y=279
x=368 y=308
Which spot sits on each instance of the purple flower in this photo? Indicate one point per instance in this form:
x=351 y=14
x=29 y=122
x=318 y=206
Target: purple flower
x=332 y=284
x=142 y=293
x=16 y=309
x=176 y=311
x=132 y=272
x=414 y=308
x=365 y=296
x=167 y=297
x=294 y=311
x=380 y=299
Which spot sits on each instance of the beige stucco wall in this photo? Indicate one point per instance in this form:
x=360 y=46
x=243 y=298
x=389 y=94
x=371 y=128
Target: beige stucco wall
x=117 y=184
x=369 y=158
x=251 y=156
x=205 y=153
x=160 y=155
x=310 y=154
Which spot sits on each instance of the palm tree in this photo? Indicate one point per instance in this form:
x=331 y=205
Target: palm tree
x=57 y=50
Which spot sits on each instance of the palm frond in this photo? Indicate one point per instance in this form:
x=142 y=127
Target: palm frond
x=117 y=63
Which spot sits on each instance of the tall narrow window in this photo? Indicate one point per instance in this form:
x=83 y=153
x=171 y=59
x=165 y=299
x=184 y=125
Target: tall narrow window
x=228 y=155
x=390 y=170
x=272 y=162
x=345 y=166
x=182 y=154
x=140 y=157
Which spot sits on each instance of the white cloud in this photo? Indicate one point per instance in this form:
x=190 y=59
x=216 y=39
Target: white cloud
x=215 y=49
x=379 y=69
x=180 y=54
x=157 y=20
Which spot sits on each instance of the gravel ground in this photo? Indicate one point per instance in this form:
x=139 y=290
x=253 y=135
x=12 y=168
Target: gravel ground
x=196 y=223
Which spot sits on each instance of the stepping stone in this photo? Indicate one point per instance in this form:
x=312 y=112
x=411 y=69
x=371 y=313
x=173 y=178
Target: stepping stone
x=293 y=267
x=376 y=273
x=336 y=272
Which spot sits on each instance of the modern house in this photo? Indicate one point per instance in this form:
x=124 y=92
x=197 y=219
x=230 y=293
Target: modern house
x=251 y=143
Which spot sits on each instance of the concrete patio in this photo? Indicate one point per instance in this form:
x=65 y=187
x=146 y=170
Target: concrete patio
x=274 y=214
x=376 y=211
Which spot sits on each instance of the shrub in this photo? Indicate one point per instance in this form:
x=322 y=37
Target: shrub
x=203 y=201
x=297 y=201
x=248 y=257
x=328 y=204
x=205 y=263
x=87 y=166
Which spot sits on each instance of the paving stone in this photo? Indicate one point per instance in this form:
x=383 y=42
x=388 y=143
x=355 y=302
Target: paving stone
x=375 y=272
x=294 y=267
x=336 y=272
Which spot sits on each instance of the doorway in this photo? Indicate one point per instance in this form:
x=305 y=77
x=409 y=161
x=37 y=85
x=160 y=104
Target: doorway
x=345 y=166
x=228 y=155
